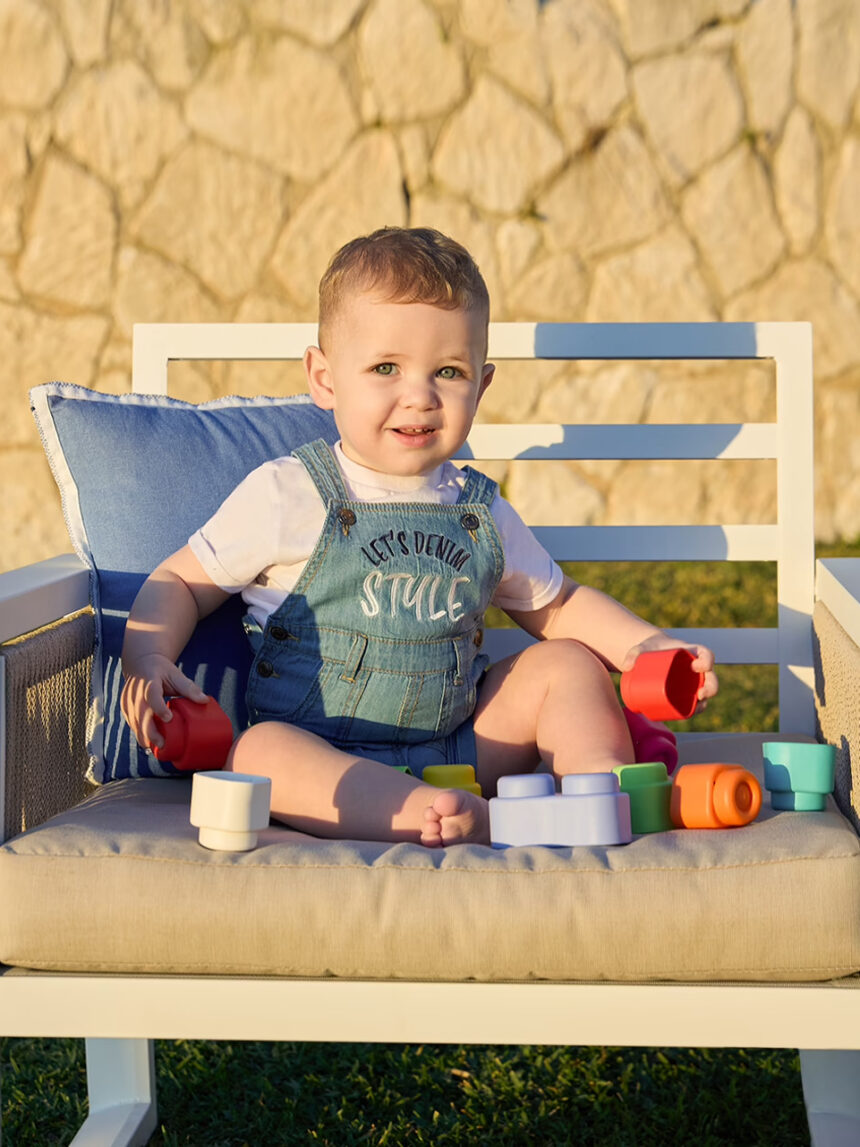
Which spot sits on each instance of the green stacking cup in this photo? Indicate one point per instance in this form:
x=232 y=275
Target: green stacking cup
x=798 y=776
x=650 y=791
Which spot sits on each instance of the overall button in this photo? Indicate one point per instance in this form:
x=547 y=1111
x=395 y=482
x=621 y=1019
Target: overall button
x=265 y=669
x=470 y=522
x=346 y=517
x=278 y=633
x=478 y=638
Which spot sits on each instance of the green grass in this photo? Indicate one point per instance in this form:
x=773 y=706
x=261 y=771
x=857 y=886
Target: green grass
x=250 y=1095
x=255 y=1094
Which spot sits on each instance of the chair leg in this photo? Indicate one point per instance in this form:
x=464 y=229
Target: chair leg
x=121 y=1089
x=831 y=1092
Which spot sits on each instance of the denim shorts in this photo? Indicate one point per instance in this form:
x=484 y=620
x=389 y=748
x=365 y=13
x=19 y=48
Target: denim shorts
x=457 y=748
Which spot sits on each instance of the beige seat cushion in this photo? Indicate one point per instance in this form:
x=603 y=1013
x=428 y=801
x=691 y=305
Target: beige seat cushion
x=120 y=884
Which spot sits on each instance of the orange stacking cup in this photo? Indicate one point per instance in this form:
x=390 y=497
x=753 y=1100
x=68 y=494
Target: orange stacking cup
x=198 y=737
x=714 y=796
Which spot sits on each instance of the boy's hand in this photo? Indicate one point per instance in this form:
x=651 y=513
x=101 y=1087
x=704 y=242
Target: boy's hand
x=703 y=663
x=144 y=692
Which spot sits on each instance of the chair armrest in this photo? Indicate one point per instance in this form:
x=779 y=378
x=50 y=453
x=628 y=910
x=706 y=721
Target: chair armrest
x=36 y=595
x=44 y=691
x=837 y=670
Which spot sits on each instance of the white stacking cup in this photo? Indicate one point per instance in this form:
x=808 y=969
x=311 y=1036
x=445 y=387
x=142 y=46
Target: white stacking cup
x=230 y=809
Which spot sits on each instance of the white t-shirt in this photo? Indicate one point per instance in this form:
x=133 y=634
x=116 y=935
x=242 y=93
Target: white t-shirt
x=261 y=537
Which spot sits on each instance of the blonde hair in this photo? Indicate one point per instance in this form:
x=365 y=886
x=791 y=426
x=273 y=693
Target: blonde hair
x=405 y=265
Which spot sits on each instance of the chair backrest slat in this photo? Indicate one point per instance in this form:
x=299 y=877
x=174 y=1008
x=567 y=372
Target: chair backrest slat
x=543 y=441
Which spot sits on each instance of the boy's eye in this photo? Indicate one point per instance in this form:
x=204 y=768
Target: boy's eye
x=384 y=368
x=448 y=372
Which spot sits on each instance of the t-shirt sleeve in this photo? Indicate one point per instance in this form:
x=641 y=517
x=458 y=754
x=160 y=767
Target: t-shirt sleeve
x=531 y=579
x=242 y=537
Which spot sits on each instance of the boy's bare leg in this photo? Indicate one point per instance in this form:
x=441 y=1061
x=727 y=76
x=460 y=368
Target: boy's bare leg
x=554 y=702
x=321 y=790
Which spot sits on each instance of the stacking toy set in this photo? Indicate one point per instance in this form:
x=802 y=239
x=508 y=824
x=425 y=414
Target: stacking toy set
x=608 y=808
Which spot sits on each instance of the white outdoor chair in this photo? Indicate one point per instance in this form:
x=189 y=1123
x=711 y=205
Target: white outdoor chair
x=121 y=995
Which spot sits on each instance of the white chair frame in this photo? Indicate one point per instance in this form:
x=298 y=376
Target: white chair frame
x=120 y=1015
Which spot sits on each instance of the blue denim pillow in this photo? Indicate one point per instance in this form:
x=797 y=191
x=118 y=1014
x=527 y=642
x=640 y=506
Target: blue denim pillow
x=138 y=474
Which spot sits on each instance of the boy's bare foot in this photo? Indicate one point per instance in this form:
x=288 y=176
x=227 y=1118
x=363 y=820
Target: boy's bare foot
x=456 y=817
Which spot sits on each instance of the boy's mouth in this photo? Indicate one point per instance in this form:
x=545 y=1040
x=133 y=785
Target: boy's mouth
x=414 y=431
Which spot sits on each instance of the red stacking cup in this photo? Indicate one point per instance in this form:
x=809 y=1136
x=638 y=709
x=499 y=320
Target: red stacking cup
x=198 y=737
x=662 y=685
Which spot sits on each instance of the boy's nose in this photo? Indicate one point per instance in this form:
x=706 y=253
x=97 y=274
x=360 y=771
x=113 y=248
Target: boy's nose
x=420 y=394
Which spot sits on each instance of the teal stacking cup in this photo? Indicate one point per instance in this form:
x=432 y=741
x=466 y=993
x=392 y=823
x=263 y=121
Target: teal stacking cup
x=798 y=776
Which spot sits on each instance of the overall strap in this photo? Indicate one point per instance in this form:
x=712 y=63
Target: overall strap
x=477 y=487
x=319 y=462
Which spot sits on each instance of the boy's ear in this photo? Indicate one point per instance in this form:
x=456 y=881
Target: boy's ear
x=318 y=375
x=487 y=373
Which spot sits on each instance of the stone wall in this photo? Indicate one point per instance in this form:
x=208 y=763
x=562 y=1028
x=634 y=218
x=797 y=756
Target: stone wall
x=604 y=160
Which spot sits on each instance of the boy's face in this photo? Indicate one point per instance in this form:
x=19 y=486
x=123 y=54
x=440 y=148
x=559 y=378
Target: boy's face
x=404 y=381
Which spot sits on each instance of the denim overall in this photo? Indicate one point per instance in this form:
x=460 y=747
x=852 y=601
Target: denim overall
x=376 y=648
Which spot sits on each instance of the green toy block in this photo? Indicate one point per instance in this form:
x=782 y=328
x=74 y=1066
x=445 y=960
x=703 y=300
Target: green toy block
x=650 y=791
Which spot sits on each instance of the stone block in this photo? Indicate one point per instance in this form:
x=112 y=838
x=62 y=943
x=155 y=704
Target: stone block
x=115 y=121
x=151 y=289
x=551 y=290
x=38 y=348
x=691 y=108
x=656 y=493
x=362 y=192
x=510 y=34
x=729 y=213
x=85 y=23
x=217 y=213
x=765 y=53
x=323 y=22
x=515 y=390
x=838 y=457
x=69 y=247
x=658 y=281
x=168 y=40
x=517 y=240
x=31 y=517
x=221 y=21
x=651 y=26
x=9 y=292
x=843 y=224
x=414 y=148
x=808 y=291
x=797 y=181
x=553 y=494
x=828 y=58
x=277 y=101
x=587 y=69
x=610 y=197
x=713 y=392
x=496 y=150
x=412 y=70
x=33 y=61
x=14 y=166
